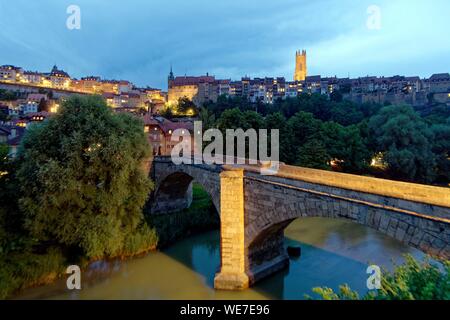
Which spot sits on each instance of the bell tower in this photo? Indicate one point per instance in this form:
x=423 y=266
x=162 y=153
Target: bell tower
x=301 y=70
x=170 y=78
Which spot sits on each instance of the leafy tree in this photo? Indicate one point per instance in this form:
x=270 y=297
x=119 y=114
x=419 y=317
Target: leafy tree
x=232 y=119
x=253 y=120
x=301 y=127
x=10 y=219
x=405 y=140
x=278 y=121
x=437 y=114
x=346 y=113
x=312 y=154
x=346 y=145
x=185 y=106
x=441 y=148
x=167 y=113
x=81 y=174
x=8 y=95
x=207 y=117
x=336 y=96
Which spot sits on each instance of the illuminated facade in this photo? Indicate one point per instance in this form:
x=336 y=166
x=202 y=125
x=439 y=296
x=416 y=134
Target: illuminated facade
x=301 y=70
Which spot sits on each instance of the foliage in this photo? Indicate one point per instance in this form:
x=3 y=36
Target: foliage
x=8 y=95
x=413 y=280
x=185 y=106
x=322 y=130
x=441 y=148
x=25 y=268
x=10 y=219
x=83 y=184
x=406 y=142
x=312 y=154
x=200 y=216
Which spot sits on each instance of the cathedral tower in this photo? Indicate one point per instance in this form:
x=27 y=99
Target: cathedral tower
x=301 y=70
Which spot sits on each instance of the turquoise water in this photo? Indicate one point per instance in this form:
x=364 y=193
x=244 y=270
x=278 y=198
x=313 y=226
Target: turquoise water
x=333 y=252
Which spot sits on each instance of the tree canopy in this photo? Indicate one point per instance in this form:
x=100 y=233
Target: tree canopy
x=82 y=178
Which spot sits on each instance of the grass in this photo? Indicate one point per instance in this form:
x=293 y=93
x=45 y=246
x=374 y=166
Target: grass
x=26 y=269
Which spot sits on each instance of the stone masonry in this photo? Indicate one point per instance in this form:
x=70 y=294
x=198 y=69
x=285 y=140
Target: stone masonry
x=232 y=275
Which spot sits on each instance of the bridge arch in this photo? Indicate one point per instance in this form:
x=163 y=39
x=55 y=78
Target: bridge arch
x=276 y=202
x=173 y=185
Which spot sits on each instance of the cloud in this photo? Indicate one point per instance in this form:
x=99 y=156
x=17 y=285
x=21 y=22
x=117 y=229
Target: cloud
x=139 y=39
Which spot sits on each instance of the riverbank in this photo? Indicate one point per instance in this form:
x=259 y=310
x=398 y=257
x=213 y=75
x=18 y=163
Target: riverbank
x=26 y=269
x=334 y=252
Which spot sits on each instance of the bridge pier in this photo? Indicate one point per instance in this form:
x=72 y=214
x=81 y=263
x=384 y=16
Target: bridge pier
x=232 y=275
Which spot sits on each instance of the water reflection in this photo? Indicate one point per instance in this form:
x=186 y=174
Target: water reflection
x=333 y=252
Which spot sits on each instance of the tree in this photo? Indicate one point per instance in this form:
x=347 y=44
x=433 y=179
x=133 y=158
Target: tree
x=186 y=107
x=346 y=113
x=10 y=219
x=278 y=121
x=301 y=128
x=232 y=119
x=336 y=96
x=207 y=117
x=441 y=148
x=81 y=173
x=405 y=140
x=346 y=145
x=8 y=95
x=312 y=154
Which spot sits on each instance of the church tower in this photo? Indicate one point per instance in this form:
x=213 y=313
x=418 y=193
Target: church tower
x=170 y=78
x=301 y=70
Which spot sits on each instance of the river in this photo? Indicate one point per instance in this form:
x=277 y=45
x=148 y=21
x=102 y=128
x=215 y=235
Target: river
x=333 y=252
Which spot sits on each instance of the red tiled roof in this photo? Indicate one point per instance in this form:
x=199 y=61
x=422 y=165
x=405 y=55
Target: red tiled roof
x=189 y=81
x=165 y=125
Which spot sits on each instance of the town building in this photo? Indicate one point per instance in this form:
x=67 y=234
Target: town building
x=59 y=79
x=159 y=132
x=10 y=73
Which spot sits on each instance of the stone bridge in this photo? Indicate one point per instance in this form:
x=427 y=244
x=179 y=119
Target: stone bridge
x=255 y=209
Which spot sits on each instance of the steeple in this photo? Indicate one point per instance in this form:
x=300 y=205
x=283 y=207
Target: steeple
x=171 y=77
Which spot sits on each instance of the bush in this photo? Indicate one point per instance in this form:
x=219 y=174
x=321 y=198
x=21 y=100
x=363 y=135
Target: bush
x=26 y=269
x=411 y=281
